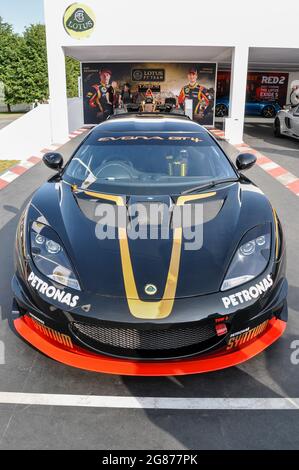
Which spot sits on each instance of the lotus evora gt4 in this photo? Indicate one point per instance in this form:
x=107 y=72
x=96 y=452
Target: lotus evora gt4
x=149 y=253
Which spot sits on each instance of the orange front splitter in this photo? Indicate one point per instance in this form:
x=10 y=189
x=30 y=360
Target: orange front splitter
x=83 y=359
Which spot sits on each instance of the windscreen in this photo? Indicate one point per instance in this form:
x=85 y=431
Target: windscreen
x=147 y=161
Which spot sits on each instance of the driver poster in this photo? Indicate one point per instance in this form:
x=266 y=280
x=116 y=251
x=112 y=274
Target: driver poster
x=110 y=88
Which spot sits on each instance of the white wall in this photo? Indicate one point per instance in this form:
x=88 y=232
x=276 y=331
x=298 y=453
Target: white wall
x=231 y=24
x=75 y=113
x=26 y=136
x=173 y=22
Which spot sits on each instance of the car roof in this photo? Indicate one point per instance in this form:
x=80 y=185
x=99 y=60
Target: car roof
x=148 y=123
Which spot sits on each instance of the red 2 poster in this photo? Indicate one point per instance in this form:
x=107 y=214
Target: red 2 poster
x=261 y=86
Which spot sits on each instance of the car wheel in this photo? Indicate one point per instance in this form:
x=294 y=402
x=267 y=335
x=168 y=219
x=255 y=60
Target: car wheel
x=268 y=111
x=277 y=130
x=221 y=110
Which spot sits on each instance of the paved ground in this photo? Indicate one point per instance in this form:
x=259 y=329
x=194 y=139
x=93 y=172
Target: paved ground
x=270 y=375
x=247 y=119
x=284 y=151
x=6 y=119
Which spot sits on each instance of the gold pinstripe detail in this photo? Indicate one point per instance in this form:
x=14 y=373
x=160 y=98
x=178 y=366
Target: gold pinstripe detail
x=150 y=310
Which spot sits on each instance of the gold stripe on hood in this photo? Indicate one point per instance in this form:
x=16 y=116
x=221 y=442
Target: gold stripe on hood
x=150 y=309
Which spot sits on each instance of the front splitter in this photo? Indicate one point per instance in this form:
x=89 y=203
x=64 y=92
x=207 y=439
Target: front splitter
x=84 y=359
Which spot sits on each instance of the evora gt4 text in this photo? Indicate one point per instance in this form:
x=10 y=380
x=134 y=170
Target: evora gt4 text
x=149 y=305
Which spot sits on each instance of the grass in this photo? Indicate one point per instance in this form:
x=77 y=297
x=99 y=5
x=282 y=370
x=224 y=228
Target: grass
x=5 y=164
x=5 y=114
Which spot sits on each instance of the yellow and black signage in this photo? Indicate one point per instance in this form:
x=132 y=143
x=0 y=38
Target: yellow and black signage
x=148 y=75
x=79 y=21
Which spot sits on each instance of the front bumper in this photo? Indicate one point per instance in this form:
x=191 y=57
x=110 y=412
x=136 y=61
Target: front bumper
x=84 y=359
x=246 y=339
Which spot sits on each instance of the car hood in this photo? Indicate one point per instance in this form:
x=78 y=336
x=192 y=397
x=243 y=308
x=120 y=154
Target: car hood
x=228 y=214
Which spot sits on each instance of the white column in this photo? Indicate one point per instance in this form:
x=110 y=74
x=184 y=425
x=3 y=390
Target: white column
x=57 y=82
x=234 y=124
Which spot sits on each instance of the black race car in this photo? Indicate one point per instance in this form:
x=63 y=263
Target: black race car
x=150 y=253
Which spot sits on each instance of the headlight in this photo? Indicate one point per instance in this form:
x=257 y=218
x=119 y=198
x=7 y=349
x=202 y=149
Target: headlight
x=251 y=257
x=50 y=257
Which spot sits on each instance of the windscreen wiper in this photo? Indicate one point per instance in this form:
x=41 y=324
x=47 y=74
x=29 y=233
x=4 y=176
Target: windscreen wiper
x=209 y=185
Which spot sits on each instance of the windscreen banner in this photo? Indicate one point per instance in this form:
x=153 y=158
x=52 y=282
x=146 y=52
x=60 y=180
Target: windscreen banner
x=111 y=87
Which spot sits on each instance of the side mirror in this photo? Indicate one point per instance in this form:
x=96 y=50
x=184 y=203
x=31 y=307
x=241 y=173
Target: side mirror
x=245 y=161
x=53 y=160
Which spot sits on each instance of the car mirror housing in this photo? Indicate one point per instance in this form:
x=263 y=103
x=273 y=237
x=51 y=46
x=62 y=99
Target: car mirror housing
x=53 y=160
x=245 y=161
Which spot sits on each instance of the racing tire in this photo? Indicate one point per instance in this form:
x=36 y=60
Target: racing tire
x=221 y=110
x=277 y=128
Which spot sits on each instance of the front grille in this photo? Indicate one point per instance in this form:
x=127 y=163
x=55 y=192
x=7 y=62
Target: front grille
x=167 y=340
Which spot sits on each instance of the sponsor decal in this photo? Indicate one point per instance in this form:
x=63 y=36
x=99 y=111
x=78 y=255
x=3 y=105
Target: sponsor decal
x=221 y=329
x=221 y=319
x=54 y=335
x=237 y=333
x=246 y=295
x=79 y=21
x=52 y=292
x=236 y=339
x=145 y=137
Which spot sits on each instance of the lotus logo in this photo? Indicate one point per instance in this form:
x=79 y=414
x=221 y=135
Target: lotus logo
x=79 y=16
x=137 y=75
x=79 y=20
x=150 y=289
